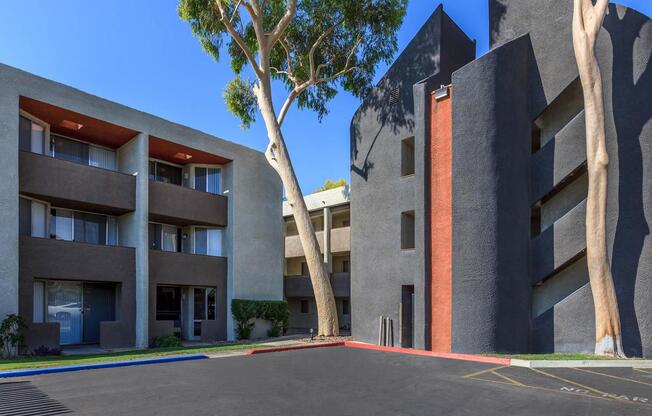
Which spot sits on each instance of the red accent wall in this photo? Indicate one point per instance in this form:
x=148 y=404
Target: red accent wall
x=441 y=222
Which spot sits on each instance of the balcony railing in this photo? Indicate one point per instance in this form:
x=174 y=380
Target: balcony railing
x=177 y=205
x=301 y=286
x=340 y=242
x=76 y=186
x=173 y=268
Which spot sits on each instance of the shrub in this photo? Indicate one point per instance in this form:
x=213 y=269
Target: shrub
x=11 y=335
x=246 y=311
x=43 y=350
x=166 y=341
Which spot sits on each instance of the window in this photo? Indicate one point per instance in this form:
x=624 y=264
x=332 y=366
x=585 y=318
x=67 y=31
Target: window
x=407 y=157
x=305 y=306
x=346 y=308
x=208 y=241
x=31 y=136
x=208 y=180
x=164 y=237
x=168 y=303
x=346 y=223
x=345 y=266
x=304 y=269
x=84 y=153
x=162 y=172
x=407 y=230
x=38 y=302
x=83 y=227
x=32 y=218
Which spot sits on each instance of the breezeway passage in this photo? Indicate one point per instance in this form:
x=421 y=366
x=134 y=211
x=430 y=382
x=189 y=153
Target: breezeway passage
x=346 y=381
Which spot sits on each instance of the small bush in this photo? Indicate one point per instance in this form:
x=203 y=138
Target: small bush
x=166 y=341
x=246 y=311
x=11 y=335
x=43 y=351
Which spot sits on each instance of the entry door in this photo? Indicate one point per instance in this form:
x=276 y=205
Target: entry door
x=64 y=302
x=198 y=311
x=99 y=306
x=407 y=316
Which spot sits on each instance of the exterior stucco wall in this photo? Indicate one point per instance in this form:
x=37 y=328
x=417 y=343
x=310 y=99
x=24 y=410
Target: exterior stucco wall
x=623 y=50
x=253 y=238
x=395 y=111
x=491 y=210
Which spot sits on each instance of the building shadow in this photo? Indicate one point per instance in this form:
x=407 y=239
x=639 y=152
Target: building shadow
x=631 y=111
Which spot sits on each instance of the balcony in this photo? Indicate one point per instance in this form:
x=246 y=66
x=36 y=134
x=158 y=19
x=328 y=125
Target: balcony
x=46 y=258
x=340 y=242
x=301 y=287
x=186 y=269
x=177 y=205
x=75 y=186
x=560 y=244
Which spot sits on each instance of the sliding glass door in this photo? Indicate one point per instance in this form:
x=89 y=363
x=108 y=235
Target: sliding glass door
x=203 y=306
x=64 y=305
x=208 y=180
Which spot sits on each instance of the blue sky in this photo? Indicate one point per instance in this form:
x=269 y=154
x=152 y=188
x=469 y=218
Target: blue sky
x=140 y=54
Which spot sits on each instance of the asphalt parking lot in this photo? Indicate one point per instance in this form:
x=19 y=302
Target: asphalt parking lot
x=330 y=381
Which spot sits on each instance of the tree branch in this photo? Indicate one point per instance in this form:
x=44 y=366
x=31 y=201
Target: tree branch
x=283 y=24
x=313 y=49
x=270 y=155
x=237 y=38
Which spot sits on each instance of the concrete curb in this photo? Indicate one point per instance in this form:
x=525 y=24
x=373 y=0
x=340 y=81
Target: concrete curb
x=445 y=355
x=111 y=364
x=256 y=351
x=582 y=363
x=361 y=345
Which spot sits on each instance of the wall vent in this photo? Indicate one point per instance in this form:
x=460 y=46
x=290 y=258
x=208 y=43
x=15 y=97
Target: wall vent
x=394 y=95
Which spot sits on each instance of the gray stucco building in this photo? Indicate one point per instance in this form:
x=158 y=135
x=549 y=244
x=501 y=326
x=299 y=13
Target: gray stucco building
x=119 y=226
x=496 y=201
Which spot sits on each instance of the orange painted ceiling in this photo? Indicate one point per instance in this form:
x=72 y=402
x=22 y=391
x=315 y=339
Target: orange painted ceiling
x=92 y=130
x=181 y=155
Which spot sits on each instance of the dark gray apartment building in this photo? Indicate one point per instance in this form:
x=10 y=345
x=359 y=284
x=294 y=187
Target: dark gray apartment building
x=470 y=178
x=119 y=226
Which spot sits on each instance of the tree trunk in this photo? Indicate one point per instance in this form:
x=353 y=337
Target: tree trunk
x=280 y=161
x=587 y=21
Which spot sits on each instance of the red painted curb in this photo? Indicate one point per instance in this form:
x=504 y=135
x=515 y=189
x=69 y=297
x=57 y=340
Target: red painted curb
x=293 y=347
x=447 y=355
x=361 y=345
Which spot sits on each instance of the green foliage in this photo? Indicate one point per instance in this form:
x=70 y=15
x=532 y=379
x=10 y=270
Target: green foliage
x=331 y=184
x=358 y=34
x=11 y=335
x=241 y=101
x=166 y=341
x=246 y=311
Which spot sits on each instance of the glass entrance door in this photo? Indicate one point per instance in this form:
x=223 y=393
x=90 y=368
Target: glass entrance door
x=64 y=305
x=203 y=308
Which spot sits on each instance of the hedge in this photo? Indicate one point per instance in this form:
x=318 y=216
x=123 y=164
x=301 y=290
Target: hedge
x=246 y=311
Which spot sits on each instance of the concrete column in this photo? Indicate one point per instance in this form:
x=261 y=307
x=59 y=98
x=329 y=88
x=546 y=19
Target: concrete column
x=8 y=202
x=228 y=181
x=133 y=159
x=328 y=225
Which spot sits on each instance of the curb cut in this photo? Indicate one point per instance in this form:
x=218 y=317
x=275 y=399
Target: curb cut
x=112 y=364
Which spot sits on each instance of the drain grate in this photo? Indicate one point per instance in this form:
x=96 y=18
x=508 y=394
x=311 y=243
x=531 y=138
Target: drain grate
x=23 y=399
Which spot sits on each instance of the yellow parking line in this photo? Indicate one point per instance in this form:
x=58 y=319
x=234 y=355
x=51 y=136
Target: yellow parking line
x=517 y=383
x=612 y=376
x=550 y=390
x=568 y=381
x=483 y=371
x=601 y=395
